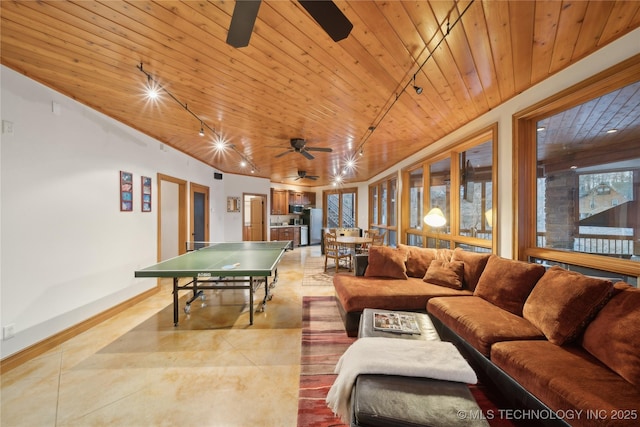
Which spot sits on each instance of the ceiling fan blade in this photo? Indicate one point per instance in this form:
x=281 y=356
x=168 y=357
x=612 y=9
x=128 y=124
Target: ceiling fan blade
x=306 y=154
x=282 y=154
x=323 y=149
x=329 y=17
x=242 y=21
x=312 y=177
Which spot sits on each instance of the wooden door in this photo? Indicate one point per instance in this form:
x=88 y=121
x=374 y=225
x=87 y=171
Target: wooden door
x=256 y=225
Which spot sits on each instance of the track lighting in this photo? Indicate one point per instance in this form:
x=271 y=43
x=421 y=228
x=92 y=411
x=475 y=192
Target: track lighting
x=153 y=89
x=418 y=89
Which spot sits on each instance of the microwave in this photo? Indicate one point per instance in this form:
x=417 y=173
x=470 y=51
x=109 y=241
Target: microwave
x=295 y=209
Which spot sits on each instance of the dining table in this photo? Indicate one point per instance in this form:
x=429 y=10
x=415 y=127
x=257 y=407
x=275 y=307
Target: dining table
x=353 y=241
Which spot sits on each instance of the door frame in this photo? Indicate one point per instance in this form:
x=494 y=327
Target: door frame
x=199 y=188
x=264 y=212
x=182 y=212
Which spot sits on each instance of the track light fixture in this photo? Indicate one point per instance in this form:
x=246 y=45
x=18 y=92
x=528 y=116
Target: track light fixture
x=418 y=89
x=155 y=88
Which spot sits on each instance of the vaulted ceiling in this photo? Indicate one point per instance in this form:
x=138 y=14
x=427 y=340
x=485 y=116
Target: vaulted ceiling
x=355 y=96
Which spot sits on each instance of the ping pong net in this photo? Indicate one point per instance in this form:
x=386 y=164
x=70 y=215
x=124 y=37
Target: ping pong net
x=239 y=246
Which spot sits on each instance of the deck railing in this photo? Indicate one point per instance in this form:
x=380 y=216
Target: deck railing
x=597 y=244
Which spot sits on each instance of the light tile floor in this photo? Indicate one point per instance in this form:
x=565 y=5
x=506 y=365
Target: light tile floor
x=137 y=369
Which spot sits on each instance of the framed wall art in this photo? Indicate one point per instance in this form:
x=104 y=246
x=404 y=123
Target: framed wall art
x=126 y=191
x=146 y=194
x=233 y=204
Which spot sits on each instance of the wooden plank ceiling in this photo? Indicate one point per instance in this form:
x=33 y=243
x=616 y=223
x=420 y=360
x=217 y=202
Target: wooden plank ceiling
x=293 y=81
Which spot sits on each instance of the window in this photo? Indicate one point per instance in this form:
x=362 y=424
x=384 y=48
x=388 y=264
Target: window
x=416 y=198
x=439 y=197
x=386 y=221
x=340 y=208
x=580 y=154
x=476 y=191
x=469 y=213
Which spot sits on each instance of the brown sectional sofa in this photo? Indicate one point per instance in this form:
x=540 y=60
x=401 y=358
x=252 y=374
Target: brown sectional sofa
x=554 y=341
x=393 y=279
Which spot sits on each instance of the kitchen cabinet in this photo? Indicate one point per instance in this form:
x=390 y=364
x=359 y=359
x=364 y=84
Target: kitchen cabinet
x=279 y=202
x=286 y=233
x=305 y=198
x=310 y=198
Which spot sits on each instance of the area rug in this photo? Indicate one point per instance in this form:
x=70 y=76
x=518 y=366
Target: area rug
x=324 y=340
x=314 y=274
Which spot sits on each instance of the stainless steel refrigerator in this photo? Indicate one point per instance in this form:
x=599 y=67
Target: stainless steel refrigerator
x=313 y=218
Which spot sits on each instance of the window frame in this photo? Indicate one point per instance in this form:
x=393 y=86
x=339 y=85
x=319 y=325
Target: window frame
x=451 y=238
x=340 y=192
x=391 y=208
x=525 y=168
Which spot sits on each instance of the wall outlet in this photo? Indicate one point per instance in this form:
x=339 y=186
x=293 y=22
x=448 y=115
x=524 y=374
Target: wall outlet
x=8 y=331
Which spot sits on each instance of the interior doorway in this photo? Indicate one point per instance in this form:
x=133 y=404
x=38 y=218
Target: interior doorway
x=199 y=221
x=254 y=217
x=172 y=214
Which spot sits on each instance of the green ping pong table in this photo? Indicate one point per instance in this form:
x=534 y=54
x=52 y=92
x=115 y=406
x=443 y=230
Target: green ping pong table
x=229 y=265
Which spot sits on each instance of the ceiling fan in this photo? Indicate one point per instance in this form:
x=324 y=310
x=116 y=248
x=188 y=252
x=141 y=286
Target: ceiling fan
x=325 y=13
x=299 y=145
x=303 y=175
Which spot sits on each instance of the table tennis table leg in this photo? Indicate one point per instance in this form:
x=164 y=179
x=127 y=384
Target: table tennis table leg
x=251 y=300
x=175 y=301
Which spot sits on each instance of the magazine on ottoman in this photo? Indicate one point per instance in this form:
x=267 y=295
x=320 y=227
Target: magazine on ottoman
x=403 y=323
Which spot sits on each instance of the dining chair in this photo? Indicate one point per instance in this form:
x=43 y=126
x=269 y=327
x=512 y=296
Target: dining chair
x=378 y=239
x=335 y=251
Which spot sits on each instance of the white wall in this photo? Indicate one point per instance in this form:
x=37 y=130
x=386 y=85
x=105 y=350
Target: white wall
x=68 y=252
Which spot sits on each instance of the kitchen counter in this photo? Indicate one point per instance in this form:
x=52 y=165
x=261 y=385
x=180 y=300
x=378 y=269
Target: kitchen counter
x=284 y=226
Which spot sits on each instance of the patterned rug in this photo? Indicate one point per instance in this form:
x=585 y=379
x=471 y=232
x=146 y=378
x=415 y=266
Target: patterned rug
x=324 y=340
x=314 y=274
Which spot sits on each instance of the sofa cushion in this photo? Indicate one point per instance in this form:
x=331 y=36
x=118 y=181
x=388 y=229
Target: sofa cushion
x=567 y=378
x=474 y=264
x=418 y=259
x=614 y=335
x=507 y=283
x=562 y=302
x=445 y=273
x=357 y=293
x=481 y=323
x=385 y=261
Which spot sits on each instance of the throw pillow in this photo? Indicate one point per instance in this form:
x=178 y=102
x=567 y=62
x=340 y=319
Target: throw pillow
x=474 y=264
x=506 y=283
x=562 y=302
x=445 y=273
x=418 y=259
x=614 y=335
x=385 y=261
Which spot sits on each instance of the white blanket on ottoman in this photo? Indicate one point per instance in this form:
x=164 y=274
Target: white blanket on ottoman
x=412 y=358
